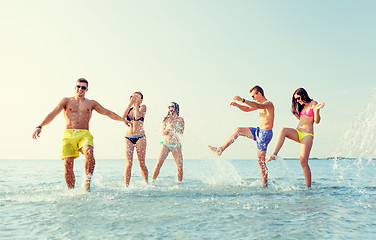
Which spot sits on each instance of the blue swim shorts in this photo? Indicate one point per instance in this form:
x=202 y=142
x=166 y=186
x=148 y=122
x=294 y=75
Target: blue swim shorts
x=262 y=137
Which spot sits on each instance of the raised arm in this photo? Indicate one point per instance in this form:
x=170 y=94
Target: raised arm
x=167 y=127
x=316 y=109
x=139 y=111
x=126 y=111
x=60 y=106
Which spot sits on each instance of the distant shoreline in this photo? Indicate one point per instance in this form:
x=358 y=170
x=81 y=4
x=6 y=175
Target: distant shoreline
x=152 y=159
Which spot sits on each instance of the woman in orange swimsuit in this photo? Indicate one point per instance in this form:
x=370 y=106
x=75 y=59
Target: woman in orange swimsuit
x=308 y=113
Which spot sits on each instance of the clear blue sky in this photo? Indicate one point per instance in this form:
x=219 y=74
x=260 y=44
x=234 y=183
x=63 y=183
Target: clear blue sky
x=197 y=53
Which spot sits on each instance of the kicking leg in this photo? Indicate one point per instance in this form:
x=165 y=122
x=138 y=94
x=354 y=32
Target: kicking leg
x=239 y=131
x=290 y=133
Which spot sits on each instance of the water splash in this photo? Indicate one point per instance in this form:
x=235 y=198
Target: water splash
x=284 y=173
x=360 y=140
x=353 y=157
x=221 y=172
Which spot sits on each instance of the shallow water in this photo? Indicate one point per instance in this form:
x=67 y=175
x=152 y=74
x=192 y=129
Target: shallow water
x=218 y=199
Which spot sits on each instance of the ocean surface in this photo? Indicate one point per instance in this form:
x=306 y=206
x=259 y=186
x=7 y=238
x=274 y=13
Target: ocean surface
x=218 y=199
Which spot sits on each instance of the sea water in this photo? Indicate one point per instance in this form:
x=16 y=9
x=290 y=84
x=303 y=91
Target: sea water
x=218 y=199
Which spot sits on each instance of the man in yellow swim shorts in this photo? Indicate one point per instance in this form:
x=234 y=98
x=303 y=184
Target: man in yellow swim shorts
x=77 y=138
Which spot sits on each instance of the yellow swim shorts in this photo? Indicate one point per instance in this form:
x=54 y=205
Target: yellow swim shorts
x=74 y=140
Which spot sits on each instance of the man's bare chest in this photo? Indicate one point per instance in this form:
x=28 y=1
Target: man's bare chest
x=79 y=107
x=263 y=113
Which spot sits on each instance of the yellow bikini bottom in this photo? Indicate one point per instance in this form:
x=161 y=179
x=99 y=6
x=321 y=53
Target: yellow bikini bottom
x=301 y=135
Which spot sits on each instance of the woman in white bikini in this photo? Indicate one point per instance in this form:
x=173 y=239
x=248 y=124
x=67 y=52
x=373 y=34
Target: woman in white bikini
x=135 y=136
x=308 y=113
x=173 y=128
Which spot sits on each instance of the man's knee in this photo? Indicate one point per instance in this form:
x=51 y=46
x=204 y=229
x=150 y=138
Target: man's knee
x=88 y=151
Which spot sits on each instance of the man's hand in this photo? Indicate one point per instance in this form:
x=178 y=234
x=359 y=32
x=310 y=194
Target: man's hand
x=237 y=98
x=128 y=123
x=36 y=133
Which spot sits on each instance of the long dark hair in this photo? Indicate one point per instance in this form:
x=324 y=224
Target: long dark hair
x=177 y=110
x=296 y=107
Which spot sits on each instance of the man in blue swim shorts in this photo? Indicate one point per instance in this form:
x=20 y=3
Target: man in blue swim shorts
x=262 y=135
x=77 y=138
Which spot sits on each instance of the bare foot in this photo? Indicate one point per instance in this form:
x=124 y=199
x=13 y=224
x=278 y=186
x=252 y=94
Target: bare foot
x=218 y=151
x=272 y=157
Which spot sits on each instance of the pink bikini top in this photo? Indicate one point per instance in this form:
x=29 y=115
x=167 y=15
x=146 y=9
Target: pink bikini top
x=309 y=112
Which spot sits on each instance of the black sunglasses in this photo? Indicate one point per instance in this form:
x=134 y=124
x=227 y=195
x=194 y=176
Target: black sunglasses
x=82 y=87
x=298 y=98
x=171 y=106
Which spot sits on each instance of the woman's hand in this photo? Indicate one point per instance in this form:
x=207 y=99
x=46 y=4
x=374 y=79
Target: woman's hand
x=133 y=99
x=137 y=99
x=320 y=105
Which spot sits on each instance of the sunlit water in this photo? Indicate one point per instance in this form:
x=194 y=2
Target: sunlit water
x=218 y=199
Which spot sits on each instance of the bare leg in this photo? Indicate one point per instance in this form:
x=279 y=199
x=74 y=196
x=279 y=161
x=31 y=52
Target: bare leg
x=306 y=146
x=89 y=164
x=161 y=158
x=178 y=156
x=284 y=133
x=264 y=170
x=141 y=152
x=239 y=131
x=129 y=148
x=70 y=179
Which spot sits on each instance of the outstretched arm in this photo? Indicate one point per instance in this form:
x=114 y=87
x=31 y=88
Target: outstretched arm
x=61 y=105
x=242 y=107
x=252 y=104
x=101 y=110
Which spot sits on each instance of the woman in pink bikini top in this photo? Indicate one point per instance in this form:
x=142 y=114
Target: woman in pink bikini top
x=307 y=111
